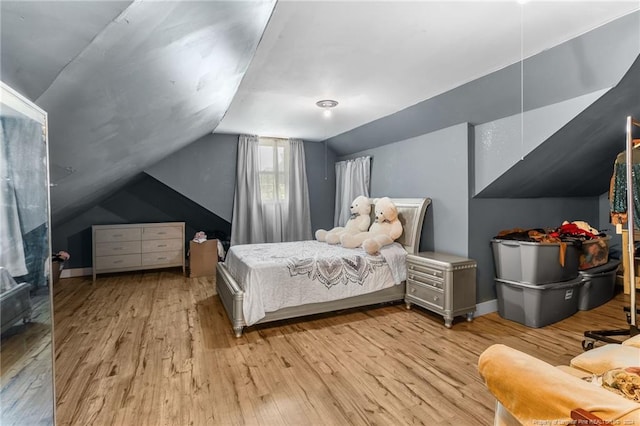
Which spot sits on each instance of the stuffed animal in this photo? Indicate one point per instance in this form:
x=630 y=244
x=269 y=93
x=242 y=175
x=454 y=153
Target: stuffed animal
x=359 y=222
x=385 y=230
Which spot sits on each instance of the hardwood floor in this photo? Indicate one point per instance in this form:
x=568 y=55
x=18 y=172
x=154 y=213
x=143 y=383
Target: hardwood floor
x=156 y=348
x=26 y=372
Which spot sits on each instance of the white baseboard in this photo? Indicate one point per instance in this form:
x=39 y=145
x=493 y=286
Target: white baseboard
x=487 y=307
x=76 y=272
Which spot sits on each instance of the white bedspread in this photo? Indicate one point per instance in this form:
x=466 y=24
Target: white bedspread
x=279 y=275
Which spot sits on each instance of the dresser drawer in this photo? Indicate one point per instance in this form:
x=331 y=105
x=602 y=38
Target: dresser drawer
x=428 y=295
x=438 y=273
x=117 y=234
x=152 y=246
x=117 y=262
x=150 y=232
x=110 y=249
x=162 y=258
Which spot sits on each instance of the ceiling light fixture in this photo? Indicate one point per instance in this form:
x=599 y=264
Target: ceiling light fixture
x=327 y=104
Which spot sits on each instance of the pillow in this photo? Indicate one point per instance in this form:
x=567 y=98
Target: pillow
x=607 y=357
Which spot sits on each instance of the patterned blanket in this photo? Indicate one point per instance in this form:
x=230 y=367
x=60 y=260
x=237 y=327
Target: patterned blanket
x=274 y=276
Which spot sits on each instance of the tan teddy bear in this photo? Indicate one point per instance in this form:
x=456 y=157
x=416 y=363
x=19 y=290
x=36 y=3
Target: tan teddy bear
x=385 y=230
x=359 y=222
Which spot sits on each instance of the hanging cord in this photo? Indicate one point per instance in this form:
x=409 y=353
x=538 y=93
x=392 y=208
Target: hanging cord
x=522 y=81
x=630 y=218
x=326 y=177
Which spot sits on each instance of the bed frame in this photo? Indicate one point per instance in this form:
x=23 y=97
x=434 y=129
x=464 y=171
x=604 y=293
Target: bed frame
x=411 y=212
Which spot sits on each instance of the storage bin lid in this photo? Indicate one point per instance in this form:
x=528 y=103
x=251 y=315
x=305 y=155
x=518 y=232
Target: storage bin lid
x=510 y=242
x=555 y=286
x=611 y=265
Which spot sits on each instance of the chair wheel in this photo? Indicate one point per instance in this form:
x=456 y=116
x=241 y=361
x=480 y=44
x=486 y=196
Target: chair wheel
x=587 y=345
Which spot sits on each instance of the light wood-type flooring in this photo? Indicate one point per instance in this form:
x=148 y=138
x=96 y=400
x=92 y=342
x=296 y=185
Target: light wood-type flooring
x=26 y=373
x=156 y=348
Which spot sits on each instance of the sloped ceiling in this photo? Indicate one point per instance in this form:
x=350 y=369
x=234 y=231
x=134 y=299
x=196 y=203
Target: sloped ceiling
x=128 y=83
x=377 y=58
x=39 y=38
x=133 y=85
x=578 y=159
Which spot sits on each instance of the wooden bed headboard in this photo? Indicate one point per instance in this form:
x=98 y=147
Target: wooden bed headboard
x=411 y=212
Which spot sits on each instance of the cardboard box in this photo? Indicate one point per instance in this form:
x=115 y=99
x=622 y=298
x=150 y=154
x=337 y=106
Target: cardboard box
x=203 y=258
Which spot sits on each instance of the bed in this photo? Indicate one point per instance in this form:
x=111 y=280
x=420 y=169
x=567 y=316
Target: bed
x=270 y=282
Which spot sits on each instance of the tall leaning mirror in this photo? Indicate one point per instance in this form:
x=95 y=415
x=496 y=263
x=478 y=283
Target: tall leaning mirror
x=26 y=342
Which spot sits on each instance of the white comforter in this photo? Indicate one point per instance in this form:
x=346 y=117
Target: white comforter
x=280 y=275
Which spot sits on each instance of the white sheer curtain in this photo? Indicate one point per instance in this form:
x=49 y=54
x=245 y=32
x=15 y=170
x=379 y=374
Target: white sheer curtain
x=271 y=201
x=352 y=179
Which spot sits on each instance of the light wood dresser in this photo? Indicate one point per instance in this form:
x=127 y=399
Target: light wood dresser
x=136 y=246
x=442 y=283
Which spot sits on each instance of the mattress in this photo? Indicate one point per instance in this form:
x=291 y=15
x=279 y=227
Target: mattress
x=280 y=275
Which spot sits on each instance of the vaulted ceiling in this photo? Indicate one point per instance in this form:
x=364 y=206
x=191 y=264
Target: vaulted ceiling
x=128 y=83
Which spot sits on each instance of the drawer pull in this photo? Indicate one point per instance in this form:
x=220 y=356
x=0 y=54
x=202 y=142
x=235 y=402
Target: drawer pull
x=411 y=267
x=435 y=298
x=162 y=258
x=117 y=235
x=117 y=261
x=411 y=277
x=161 y=233
x=162 y=245
x=413 y=290
x=117 y=248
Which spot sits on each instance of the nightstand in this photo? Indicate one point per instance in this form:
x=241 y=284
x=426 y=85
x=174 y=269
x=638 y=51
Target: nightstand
x=442 y=283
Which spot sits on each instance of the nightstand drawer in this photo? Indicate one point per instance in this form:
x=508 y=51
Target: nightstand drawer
x=424 y=270
x=429 y=295
x=425 y=279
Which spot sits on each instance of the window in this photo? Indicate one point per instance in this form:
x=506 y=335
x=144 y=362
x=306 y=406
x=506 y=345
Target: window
x=274 y=173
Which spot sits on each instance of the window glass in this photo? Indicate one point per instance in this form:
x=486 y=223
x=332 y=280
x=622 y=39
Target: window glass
x=274 y=173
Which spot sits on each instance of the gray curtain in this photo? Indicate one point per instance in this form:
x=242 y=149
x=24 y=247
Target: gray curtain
x=247 y=224
x=297 y=220
x=255 y=221
x=352 y=179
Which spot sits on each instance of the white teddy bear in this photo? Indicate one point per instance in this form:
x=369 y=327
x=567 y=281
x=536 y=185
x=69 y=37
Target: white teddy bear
x=359 y=222
x=385 y=230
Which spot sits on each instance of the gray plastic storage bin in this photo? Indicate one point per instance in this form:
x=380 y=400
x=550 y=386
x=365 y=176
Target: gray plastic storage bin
x=533 y=263
x=599 y=285
x=537 y=305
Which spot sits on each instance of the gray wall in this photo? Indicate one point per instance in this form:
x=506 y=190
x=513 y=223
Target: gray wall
x=488 y=216
x=321 y=177
x=434 y=165
x=204 y=171
x=615 y=243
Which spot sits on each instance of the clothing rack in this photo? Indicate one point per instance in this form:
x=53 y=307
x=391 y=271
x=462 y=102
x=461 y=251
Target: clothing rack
x=605 y=335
